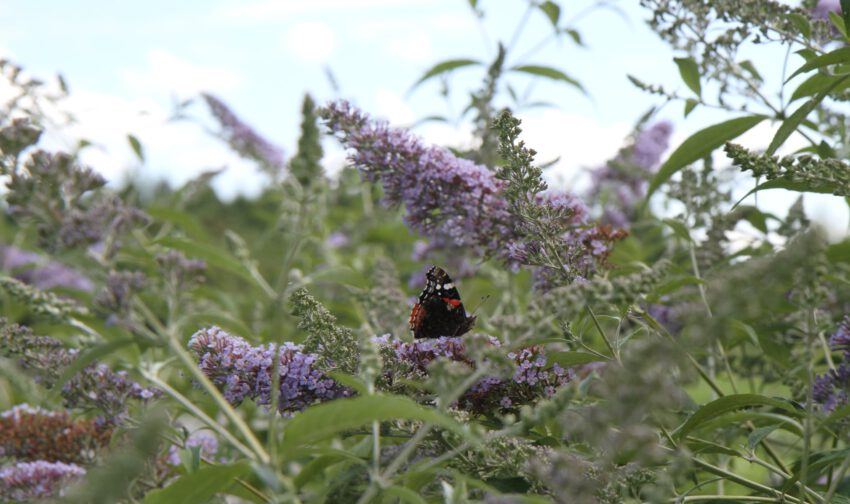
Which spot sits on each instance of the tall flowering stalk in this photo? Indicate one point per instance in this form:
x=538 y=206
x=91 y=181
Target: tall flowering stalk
x=244 y=371
x=28 y=433
x=27 y=481
x=531 y=376
x=621 y=184
x=830 y=390
x=243 y=139
x=95 y=387
x=461 y=202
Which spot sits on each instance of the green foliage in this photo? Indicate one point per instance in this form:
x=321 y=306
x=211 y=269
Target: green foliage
x=705 y=360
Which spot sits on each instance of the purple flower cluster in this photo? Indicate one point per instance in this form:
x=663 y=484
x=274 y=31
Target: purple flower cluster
x=830 y=390
x=94 y=387
x=205 y=441
x=443 y=195
x=244 y=371
x=532 y=377
x=824 y=7
x=26 y=481
x=453 y=200
x=622 y=182
x=243 y=139
x=40 y=272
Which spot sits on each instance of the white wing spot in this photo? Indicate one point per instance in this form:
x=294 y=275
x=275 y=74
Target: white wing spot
x=448 y=286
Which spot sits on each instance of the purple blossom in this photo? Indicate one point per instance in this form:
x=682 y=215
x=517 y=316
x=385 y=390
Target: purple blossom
x=651 y=143
x=243 y=139
x=532 y=377
x=336 y=240
x=824 y=7
x=830 y=390
x=621 y=184
x=453 y=200
x=27 y=481
x=42 y=273
x=204 y=440
x=244 y=371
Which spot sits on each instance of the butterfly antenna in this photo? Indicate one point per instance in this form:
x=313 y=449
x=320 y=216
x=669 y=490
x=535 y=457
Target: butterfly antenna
x=480 y=303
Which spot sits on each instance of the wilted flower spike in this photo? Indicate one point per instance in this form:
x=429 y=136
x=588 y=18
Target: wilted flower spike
x=28 y=433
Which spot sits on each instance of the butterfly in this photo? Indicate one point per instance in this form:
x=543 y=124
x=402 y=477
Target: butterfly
x=439 y=310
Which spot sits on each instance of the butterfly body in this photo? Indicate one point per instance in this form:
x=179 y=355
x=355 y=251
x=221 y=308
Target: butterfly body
x=439 y=310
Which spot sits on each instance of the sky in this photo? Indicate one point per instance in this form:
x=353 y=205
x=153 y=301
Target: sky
x=129 y=64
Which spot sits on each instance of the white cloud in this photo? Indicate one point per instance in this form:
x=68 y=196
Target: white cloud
x=170 y=73
x=391 y=106
x=413 y=46
x=579 y=141
x=277 y=10
x=174 y=151
x=312 y=41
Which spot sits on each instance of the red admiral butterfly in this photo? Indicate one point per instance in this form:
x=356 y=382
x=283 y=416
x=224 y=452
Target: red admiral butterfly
x=439 y=311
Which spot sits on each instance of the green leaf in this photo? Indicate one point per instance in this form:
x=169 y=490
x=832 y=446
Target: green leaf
x=802 y=24
x=213 y=256
x=326 y=420
x=443 y=67
x=184 y=220
x=137 y=147
x=839 y=252
x=690 y=105
x=679 y=228
x=815 y=84
x=552 y=11
x=838 y=22
x=845 y=15
x=729 y=403
x=790 y=125
x=789 y=185
x=352 y=382
x=676 y=284
x=549 y=73
x=689 y=71
x=758 y=435
x=576 y=36
x=700 y=145
x=840 y=55
x=749 y=67
x=404 y=494
x=199 y=486
x=570 y=359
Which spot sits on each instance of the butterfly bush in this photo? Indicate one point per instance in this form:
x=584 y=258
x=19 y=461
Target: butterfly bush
x=204 y=441
x=27 y=481
x=28 y=433
x=244 y=371
x=624 y=179
x=95 y=387
x=454 y=199
x=831 y=388
x=40 y=272
x=243 y=139
x=531 y=379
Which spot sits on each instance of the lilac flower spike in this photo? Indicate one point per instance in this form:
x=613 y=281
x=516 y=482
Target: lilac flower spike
x=26 y=481
x=444 y=195
x=452 y=200
x=244 y=371
x=243 y=139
